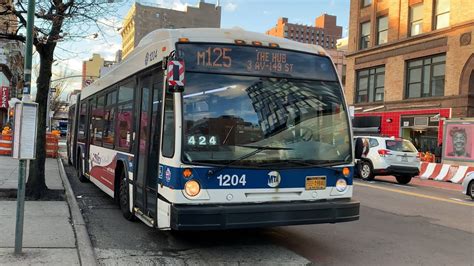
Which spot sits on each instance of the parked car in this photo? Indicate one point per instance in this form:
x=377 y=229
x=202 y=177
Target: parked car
x=389 y=156
x=468 y=185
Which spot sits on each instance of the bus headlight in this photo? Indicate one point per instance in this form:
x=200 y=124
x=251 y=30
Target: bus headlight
x=192 y=188
x=341 y=185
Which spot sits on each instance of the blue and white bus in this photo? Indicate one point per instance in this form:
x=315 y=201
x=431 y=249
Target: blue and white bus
x=218 y=129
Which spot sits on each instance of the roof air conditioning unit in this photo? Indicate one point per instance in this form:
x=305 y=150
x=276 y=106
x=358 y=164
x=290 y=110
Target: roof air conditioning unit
x=421 y=121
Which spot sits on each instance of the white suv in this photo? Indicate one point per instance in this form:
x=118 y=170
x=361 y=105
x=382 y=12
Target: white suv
x=389 y=156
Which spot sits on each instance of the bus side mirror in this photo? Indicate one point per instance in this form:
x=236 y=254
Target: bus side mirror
x=175 y=75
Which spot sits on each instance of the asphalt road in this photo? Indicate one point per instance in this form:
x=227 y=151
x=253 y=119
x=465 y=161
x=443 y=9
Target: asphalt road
x=399 y=225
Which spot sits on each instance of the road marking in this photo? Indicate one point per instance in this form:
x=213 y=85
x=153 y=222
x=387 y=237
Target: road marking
x=397 y=185
x=461 y=200
x=415 y=194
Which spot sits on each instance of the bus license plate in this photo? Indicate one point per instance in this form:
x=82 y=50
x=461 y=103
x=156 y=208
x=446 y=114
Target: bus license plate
x=315 y=182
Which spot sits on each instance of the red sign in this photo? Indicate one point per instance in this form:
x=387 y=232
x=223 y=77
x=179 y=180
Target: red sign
x=4 y=97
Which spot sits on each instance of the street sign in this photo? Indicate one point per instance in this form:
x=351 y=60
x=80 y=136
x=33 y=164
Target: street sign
x=24 y=133
x=176 y=73
x=4 y=97
x=87 y=82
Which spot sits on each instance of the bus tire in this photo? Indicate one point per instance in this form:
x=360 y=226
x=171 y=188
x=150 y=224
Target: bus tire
x=124 y=199
x=403 y=179
x=80 y=175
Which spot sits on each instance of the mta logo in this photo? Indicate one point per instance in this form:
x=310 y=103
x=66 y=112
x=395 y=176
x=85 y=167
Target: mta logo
x=274 y=179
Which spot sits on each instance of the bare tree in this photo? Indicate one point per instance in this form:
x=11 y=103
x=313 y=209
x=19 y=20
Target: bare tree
x=55 y=21
x=55 y=101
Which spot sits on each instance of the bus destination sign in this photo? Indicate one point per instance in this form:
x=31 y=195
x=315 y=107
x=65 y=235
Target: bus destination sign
x=251 y=60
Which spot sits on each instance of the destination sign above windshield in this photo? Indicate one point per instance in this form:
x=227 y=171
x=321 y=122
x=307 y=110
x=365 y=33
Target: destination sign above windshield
x=258 y=61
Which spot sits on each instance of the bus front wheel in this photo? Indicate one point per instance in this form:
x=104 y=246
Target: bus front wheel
x=124 y=197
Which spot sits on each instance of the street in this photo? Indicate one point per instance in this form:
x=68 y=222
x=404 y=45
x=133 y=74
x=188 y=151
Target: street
x=399 y=225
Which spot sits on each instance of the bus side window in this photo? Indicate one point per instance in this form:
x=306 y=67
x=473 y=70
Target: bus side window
x=82 y=123
x=109 y=119
x=124 y=126
x=98 y=121
x=168 y=127
x=124 y=121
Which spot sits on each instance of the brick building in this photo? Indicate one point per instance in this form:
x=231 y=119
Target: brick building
x=143 y=19
x=11 y=60
x=410 y=65
x=325 y=32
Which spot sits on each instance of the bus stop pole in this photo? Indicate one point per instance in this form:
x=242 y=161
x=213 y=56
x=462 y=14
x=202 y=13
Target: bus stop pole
x=20 y=203
x=20 y=207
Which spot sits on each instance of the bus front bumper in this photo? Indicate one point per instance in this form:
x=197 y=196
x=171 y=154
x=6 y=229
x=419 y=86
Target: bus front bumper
x=226 y=216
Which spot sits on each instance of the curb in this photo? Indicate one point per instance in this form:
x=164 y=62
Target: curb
x=84 y=245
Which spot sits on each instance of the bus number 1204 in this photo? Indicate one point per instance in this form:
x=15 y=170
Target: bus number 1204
x=231 y=180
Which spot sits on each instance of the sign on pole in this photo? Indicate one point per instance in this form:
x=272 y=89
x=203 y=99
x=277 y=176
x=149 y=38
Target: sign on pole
x=4 y=97
x=24 y=133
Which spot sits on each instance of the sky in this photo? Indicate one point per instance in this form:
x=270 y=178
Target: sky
x=252 y=15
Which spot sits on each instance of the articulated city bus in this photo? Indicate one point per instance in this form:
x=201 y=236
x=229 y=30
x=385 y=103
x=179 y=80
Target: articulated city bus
x=218 y=129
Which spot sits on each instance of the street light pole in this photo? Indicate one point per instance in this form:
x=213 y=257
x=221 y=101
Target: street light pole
x=20 y=201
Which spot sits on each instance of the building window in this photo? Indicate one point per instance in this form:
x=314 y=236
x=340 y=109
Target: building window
x=370 y=85
x=364 y=35
x=442 y=9
x=382 y=30
x=366 y=3
x=425 y=77
x=416 y=19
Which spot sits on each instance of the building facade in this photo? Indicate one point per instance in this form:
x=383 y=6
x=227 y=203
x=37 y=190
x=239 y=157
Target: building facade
x=11 y=61
x=410 y=65
x=94 y=68
x=143 y=19
x=325 y=32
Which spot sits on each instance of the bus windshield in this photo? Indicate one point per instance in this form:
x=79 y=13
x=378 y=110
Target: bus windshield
x=229 y=116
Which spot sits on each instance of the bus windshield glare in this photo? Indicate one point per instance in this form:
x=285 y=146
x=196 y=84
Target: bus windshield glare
x=293 y=117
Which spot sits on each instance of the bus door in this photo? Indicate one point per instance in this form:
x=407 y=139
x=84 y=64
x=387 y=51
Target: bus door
x=89 y=134
x=146 y=161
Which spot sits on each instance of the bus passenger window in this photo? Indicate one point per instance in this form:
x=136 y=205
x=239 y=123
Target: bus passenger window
x=82 y=123
x=124 y=126
x=109 y=126
x=168 y=127
x=98 y=121
x=126 y=92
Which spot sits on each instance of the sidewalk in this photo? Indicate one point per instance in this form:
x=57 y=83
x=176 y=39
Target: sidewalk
x=49 y=233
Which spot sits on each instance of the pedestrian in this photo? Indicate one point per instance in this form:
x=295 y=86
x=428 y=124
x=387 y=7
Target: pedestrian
x=358 y=151
x=438 y=152
x=366 y=148
x=359 y=148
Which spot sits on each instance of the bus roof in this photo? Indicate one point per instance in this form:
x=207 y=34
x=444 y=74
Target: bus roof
x=159 y=43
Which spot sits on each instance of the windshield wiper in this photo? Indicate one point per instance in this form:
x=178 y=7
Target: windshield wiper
x=326 y=164
x=245 y=156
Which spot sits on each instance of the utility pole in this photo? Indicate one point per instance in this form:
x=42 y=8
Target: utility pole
x=20 y=201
